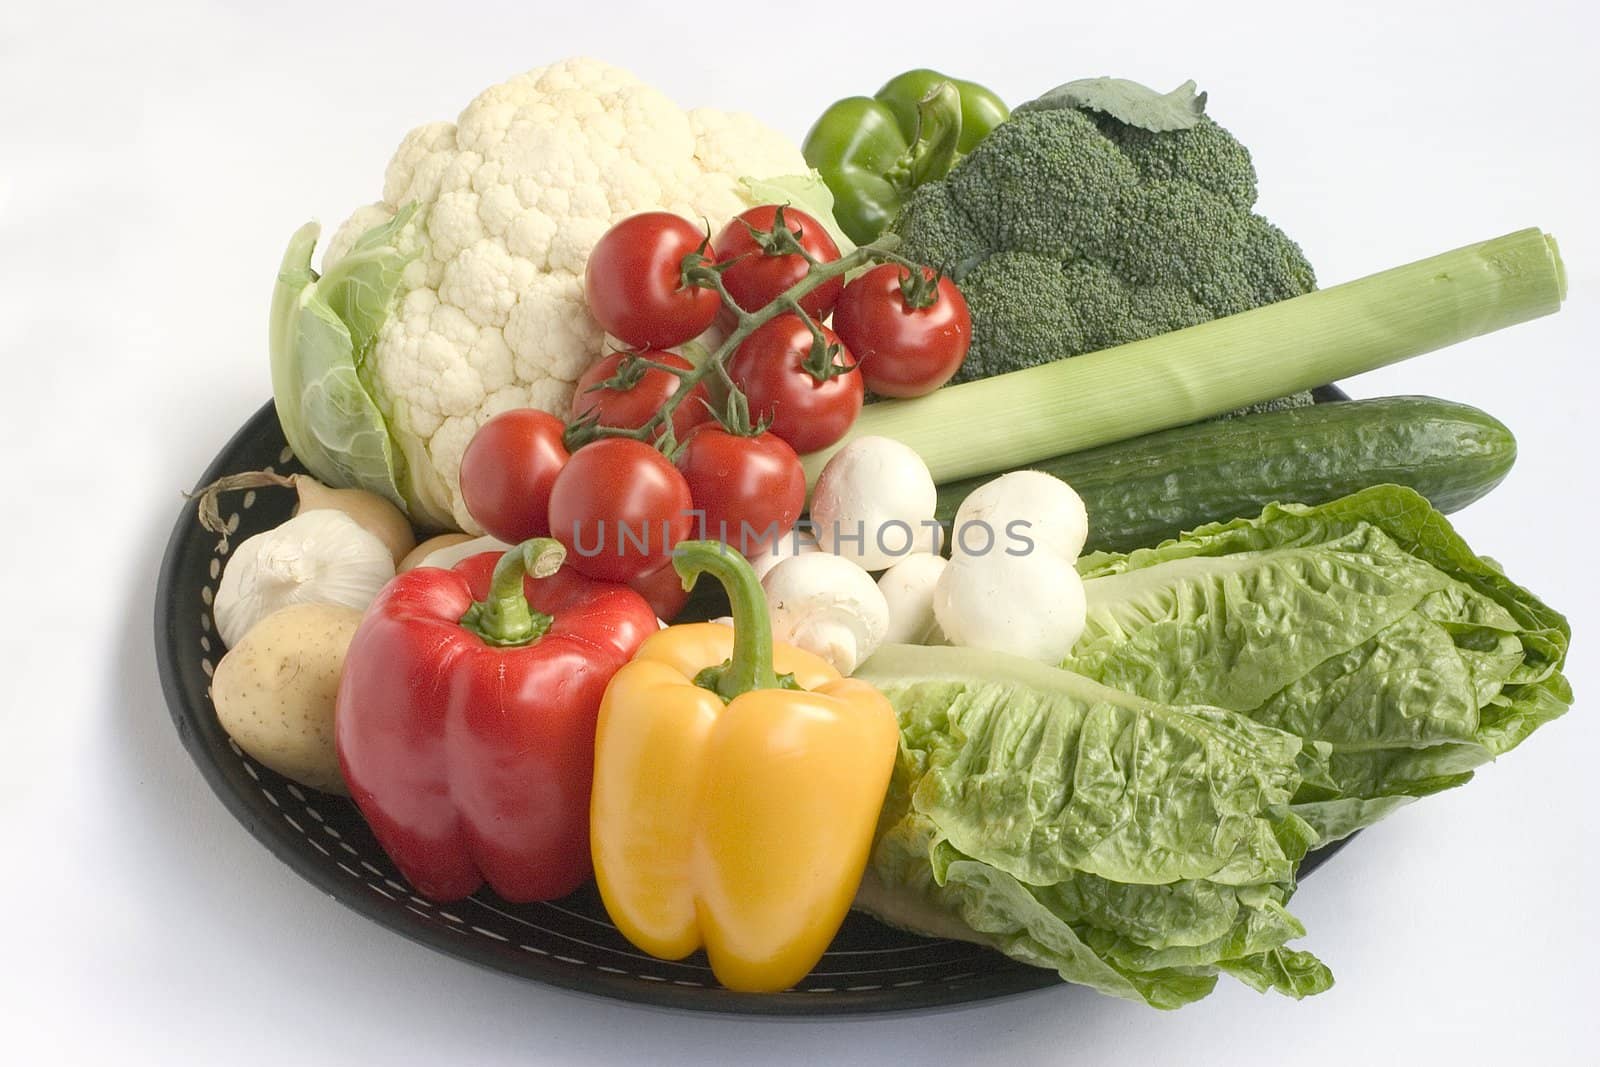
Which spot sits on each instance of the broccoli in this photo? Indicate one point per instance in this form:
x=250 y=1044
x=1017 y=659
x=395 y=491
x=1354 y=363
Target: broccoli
x=1091 y=219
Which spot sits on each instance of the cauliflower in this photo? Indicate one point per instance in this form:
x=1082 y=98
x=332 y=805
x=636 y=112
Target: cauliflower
x=462 y=289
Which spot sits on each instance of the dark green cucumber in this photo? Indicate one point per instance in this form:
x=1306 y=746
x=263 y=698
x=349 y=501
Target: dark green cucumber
x=1145 y=490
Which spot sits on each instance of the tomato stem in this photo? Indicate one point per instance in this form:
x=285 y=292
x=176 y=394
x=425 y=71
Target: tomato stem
x=696 y=271
x=919 y=289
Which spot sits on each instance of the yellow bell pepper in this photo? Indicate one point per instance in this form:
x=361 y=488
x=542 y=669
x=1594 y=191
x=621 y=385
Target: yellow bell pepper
x=736 y=791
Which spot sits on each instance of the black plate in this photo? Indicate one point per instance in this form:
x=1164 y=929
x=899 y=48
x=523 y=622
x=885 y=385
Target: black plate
x=569 y=943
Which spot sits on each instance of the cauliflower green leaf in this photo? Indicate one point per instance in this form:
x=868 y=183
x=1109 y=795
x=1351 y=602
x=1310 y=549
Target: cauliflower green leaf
x=808 y=192
x=322 y=331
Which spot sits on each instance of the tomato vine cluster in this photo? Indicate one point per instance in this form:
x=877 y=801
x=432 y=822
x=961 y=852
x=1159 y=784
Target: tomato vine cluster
x=664 y=445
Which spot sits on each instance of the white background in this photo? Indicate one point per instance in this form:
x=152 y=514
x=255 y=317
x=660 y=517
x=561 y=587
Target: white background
x=153 y=161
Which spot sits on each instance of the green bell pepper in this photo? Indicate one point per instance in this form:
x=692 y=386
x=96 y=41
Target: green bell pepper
x=872 y=150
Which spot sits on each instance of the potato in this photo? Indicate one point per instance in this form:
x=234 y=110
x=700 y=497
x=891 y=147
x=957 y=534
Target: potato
x=274 y=691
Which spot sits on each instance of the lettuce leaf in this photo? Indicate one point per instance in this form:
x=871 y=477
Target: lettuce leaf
x=323 y=328
x=1366 y=624
x=1240 y=695
x=1131 y=846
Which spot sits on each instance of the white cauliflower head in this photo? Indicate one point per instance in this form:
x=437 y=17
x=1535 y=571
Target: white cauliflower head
x=512 y=197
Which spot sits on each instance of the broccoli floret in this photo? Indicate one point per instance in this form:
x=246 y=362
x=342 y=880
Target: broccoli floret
x=1070 y=230
x=1090 y=308
x=1282 y=403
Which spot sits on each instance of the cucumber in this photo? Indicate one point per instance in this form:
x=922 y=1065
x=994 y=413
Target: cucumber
x=1145 y=490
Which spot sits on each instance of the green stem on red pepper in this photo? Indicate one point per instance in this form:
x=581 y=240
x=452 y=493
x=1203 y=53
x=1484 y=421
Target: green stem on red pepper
x=505 y=618
x=750 y=665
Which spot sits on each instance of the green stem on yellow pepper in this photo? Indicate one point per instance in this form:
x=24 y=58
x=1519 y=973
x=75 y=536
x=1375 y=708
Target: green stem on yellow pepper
x=750 y=665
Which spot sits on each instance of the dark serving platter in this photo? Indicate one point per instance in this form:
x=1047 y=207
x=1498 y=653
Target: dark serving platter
x=568 y=943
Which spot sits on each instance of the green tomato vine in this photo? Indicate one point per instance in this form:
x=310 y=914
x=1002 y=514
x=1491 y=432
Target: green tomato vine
x=700 y=271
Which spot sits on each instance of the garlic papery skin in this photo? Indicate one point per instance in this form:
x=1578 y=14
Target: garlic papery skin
x=322 y=556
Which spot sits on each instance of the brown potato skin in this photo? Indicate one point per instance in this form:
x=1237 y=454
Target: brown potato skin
x=274 y=692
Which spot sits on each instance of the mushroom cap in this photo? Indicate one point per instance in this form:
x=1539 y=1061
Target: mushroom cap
x=908 y=590
x=874 y=503
x=828 y=606
x=797 y=542
x=1031 y=605
x=1052 y=517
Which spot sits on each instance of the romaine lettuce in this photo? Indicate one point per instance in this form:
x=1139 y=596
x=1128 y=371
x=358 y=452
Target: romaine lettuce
x=1134 y=847
x=1365 y=623
x=1240 y=694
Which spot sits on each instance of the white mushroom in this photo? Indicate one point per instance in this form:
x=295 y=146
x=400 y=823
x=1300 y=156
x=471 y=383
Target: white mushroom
x=1029 y=606
x=873 y=503
x=797 y=542
x=1012 y=584
x=827 y=606
x=908 y=590
x=1020 y=513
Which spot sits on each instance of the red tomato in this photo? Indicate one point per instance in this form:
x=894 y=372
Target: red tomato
x=807 y=413
x=757 y=279
x=619 y=507
x=634 y=282
x=507 y=471
x=750 y=490
x=633 y=406
x=663 y=590
x=904 y=350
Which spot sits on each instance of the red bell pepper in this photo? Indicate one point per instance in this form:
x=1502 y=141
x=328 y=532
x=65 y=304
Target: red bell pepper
x=466 y=718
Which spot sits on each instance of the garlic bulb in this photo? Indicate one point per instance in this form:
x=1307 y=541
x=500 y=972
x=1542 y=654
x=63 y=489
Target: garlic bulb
x=321 y=556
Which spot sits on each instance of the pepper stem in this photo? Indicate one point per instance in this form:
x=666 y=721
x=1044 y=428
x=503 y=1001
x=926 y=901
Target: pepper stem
x=506 y=618
x=750 y=666
x=933 y=147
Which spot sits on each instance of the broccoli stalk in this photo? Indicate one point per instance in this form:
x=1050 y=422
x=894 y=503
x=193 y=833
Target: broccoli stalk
x=1025 y=416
